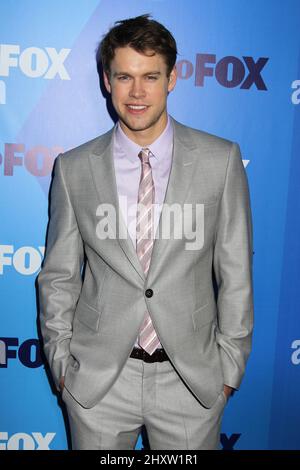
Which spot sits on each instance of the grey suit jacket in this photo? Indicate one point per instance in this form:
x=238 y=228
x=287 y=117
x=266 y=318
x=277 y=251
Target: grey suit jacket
x=201 y=306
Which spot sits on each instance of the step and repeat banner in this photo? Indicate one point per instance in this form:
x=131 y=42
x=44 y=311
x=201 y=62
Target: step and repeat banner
x=239 y=78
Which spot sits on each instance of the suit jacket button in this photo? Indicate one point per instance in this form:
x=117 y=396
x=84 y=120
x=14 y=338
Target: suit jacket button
x=149 y=293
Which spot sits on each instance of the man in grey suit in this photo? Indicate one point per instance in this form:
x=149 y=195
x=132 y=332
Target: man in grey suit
x=146 y=289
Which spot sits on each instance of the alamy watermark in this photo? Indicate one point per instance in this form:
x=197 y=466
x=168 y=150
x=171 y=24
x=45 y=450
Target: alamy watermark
x=176 y=222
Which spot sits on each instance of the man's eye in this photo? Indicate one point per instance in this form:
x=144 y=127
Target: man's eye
x=123 y=78
x=152 y=77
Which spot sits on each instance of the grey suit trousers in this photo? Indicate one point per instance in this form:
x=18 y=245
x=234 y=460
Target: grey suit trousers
x=152 y=394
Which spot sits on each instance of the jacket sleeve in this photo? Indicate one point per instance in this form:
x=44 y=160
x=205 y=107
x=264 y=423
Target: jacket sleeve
x=59 y=281
x=233 y=271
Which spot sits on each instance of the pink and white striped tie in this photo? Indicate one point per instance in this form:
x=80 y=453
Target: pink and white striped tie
x=148 y=339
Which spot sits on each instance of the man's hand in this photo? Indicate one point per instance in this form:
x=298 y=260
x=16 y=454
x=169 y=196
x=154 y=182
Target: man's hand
x=228 y=391
x=62 y=383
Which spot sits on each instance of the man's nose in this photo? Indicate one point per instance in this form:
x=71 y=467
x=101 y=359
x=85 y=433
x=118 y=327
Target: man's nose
x=137 y=89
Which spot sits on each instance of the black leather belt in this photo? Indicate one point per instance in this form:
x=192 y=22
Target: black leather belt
x=159 y=355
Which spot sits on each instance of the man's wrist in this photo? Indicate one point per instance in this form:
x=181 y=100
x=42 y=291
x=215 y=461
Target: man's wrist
x=62 y=383
x=228 y=390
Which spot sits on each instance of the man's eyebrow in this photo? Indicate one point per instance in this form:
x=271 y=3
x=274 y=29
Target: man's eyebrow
x=118 y=74
x=153 y=73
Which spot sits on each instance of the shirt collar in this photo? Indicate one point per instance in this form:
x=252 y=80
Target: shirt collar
x=131 y=150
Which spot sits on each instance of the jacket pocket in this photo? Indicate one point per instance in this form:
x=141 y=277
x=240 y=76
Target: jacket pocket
x=203 y=316
x=87 y=315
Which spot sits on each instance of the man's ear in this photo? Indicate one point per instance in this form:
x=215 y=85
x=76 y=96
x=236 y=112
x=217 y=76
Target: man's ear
x=106 y=81
x=172 y=79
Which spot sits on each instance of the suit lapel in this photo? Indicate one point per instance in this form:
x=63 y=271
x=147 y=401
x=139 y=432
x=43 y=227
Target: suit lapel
x=103 y=174
x=180 y=177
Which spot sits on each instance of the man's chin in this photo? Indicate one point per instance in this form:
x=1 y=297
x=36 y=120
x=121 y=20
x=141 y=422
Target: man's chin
x=136 y=126
x=139 y=125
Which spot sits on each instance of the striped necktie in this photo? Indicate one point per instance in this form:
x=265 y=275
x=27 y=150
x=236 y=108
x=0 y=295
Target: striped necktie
x=148 y=339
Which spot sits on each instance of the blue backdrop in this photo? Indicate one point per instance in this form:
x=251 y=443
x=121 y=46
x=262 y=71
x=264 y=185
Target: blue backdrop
x=239 y=77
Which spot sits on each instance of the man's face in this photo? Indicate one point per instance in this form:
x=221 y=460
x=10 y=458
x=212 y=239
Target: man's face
x=139 y=87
